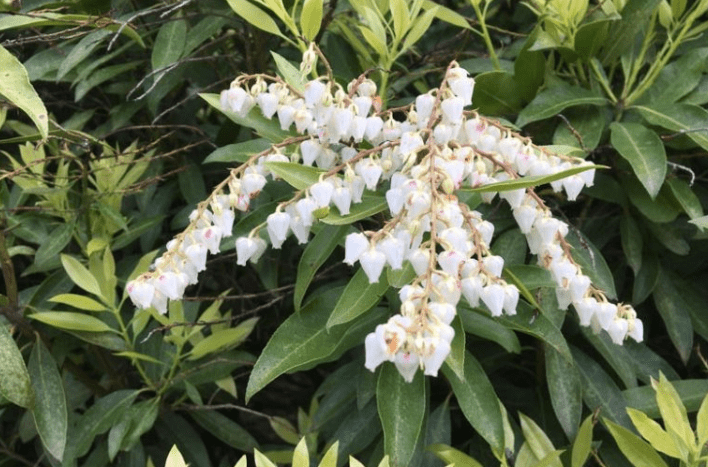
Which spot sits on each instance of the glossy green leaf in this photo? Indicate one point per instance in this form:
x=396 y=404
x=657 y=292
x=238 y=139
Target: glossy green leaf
x=615 y=355
x=677 y=79
x=298 y=176
x=530 y=181
x=456 y=358
x=681 y=118
x=599 y=390
x=16 y=87
x=311 y=18
x=488 y=328
x=81 y=302
x=80 y=275
x=497 y=93
x=318 y=249
x=452 y=456
x=533 y=277
x=674 y=312
x=139 y=356
x=537 y=440
x=582 y=443
x=222 y=339
x=685 y=196
x=71 y=321
x=588 y=122
x=81 y=51
x=225 y=429
x=255 y=16
x=555 y=99
x=303 y=340
x=358 y=297
x=401 y=407
x=268 y=129
x=637 y=451
x=653 y=432
x=99 y=418
x=632 y=243
x=621 y=37
x=14 y=379
x=49 y=412
x=565 y=389
x=478 y=401
x=536 y=324
x=644 y=151
x=178 y=430
x=59 y=238
x=169 y=43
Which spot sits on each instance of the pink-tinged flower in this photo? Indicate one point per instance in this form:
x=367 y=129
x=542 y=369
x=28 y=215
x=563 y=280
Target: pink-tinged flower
x=167 y=283
x=141 y=293
x=372 y=261
x=450 y=261
x=278 y=225
x=407 y=364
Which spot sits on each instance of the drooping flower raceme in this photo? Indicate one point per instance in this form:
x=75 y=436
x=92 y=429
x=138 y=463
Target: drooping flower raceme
x=421 y=162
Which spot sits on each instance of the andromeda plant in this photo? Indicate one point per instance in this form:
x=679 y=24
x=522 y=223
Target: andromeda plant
x=423 y=161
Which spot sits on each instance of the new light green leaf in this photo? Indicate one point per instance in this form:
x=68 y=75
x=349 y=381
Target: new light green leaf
x=255 y=16
x=290 y=73
x=80 y=275
x=653 y=432
x=14 y=379
x=311 y=18
x=78 y=301
x=452 y=456
x=639 y=453
x=537 y=440
x=582 y=443
x=49 y=412
x=298 y=176
x=15 y=86
x=358 y=297
x=222 y=339
x=71 y=321
x=401 y=408
x=644 y=151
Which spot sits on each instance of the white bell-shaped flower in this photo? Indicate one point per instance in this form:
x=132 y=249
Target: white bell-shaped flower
x=393 y=248
x=407 y=364
x=278 y=225
x=618 y=330
x=472 y=289
x=511 y=299
x=586 y=309
x=493 y=296
x=444 y=311
x=246 y=247
x=435 y=359
x=493 y=264
x=167 y=283
x=354 y=246
x=252 y=184
x=371 y=172
x=372 y=261
x=420 y=260
x=636 y=329
x=268 y=103
x=321 y=193
x=197 y=254
x=452 y=110
x=305 y=207
x=450 y=261
x=342 y=198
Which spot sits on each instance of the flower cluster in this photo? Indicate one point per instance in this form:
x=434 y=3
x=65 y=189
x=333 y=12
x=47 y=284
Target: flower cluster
x=422 y=161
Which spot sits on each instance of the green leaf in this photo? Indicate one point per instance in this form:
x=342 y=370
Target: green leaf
x=316 y=253
x=565 y=389
x=369 y=206
x=497 y=93
x=71 y=321
x=58 y=239
x=621 y=38
x=632 y=243
x=81 y=302
x=14 y=379
x=599 y=391
x=358 y=297
x=420 y=26
x=401 y=407
x=644 y=151
x=311 y=18
x=290 y=73
x=16 y=87
x=238 y=152
x=674 y=312
x=553 y=100
x=139 y=356
x=682 y=118
x=582 y=443
x=536 y=324
x=49 y=412
x=269 y=129
x=169 y=43
x=255 y=16
x=174 y=458
x=301 y=455
x=537 y=440
x=223 y=339
x=452 y=456
x=99 y=418
x=673 y=412
x=80 y=275
x=487 y=328
x=615 y=355
x=685 y=196
x=303 y=340
x=225 y=429
x=81 y=51
x=677 y=79
x=702 y=422
x=530 y=181
x=478 y=401
x=298 y=176
x=690 y=391
x=588 y=122
x=177 y=430
x=637 y=451
x=653 y=432
x=660 y=210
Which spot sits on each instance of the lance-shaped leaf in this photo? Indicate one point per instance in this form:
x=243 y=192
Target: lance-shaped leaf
x=554 y=99
x=14 y=378
x=358 y=297
x=531 y=180
x=16 y=87
x=644 y=151
x=49 y=412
